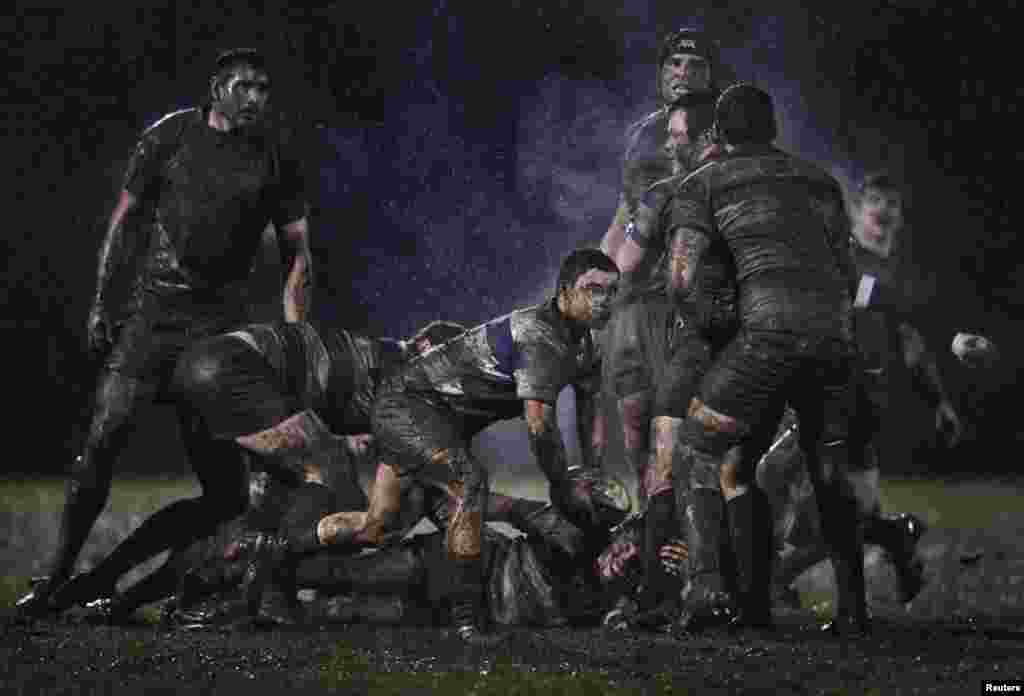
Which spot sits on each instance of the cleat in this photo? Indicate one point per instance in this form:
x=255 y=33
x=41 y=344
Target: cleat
x=268 y=586
x=107 y=611
x=909 y=566
x=35 y=604
x=846 y=626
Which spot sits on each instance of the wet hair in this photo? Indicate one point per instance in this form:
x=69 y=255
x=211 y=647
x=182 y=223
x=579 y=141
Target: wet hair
x=745 y=115
x=580 y=261
x=234 y=57
x=437 y=332
x=882 y=180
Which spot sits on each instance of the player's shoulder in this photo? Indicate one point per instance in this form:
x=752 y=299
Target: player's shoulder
x=536 y=323
x=172 y=124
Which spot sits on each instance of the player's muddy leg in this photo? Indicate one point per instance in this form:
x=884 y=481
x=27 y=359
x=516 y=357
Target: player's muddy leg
x=88 y=486
x=297 y=443
x=825 y=439
x=751 y=535
x=464 y=538
x=372 y=527
x=897 y=533
x=635 y=413
x=706 y=439
x=223 y=475
x=660 y=599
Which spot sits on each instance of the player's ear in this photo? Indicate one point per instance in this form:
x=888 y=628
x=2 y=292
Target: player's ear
x=215 y=88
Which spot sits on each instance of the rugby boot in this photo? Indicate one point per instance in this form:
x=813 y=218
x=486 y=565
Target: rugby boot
x=81 y=589
x=36 y=604
x=110 y=611
x=750 y=523
x=706 y=603
x=268 y=585
x=846 y=550
x=466 y=602
x=898 y=535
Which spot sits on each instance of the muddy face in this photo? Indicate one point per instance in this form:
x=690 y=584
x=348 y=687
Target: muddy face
x=683 y=74
x=589 y=300
x=878 y=219
x=241 y=96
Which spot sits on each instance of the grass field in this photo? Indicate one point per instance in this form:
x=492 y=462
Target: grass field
x=973 y=559
x=971 y=549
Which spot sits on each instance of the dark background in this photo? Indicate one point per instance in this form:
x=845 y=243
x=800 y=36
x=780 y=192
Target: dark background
x=456 y=150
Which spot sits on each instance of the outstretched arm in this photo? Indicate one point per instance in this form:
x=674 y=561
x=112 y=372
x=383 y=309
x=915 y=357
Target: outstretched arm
x=297 y=258
x=925 y=370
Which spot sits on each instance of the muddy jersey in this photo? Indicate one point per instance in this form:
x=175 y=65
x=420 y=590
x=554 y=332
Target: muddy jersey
x=489 y=370
x=208 y=195
x=785 y=227
x=713 y=300
x=644 y=163
x=328 y=369
x=877 y=320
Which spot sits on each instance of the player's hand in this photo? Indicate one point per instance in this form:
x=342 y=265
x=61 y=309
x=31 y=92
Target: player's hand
x=99 y=332
x=673 y=556
x=948 y=423
x=974 y=351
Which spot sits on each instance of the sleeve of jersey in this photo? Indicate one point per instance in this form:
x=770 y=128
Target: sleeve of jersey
x=142 y=170
x=540 y=375
x=690 y=209
x=291 y=203
x=644 y=227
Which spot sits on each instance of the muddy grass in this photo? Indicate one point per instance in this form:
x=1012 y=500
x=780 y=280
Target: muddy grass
x=961 y=630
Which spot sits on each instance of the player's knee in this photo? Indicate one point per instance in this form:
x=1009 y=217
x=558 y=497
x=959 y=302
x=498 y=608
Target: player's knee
x=709 y=431
x=199 y=370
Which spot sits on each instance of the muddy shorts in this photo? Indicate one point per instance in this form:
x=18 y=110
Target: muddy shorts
x=652 y=347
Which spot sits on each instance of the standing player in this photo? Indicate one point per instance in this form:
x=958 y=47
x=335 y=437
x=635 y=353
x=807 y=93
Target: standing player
x=783 y=223
x=206 y=181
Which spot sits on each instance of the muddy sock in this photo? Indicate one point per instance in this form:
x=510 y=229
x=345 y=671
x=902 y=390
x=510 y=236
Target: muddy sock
x=660 y=526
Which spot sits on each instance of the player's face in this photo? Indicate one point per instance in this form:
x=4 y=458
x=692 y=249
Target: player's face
x=241 y=95
x=684 y=144
x=683 y=73
x=589 y=300
x=881 y=215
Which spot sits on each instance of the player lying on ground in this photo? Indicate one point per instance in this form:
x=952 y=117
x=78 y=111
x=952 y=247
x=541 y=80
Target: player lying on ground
x=555 y=573
x=513 y=366
x=281 y=390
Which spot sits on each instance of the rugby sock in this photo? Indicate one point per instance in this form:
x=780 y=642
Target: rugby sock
x=750 y=524
x=660 y=526
x=310 y=503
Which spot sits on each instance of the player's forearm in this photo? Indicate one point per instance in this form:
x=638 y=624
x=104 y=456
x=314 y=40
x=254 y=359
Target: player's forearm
x=929 y=382
x=298 y=288
x=112 y=247
x=549 y=451
x=922 y=364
